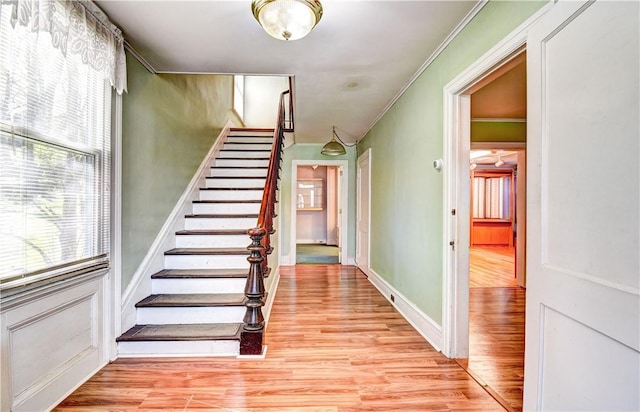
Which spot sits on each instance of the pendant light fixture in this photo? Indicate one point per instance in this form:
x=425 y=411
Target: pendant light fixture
x=335 y=147
x=287 y=19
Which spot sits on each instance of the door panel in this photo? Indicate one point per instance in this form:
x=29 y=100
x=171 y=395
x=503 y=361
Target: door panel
x=583 y=322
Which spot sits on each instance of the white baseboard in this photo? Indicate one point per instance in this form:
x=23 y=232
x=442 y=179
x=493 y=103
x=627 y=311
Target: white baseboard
x=311 y=241
x=285 y=260
x=271 y=294
x=426 y=326
x=140 y=286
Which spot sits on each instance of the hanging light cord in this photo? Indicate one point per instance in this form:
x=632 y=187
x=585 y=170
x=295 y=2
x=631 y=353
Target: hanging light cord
x=340 y=140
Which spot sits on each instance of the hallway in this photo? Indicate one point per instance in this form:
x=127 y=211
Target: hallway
x=334 y=344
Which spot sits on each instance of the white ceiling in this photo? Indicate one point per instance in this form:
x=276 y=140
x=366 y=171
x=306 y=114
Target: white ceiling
x=490 y=157
x=348 y=70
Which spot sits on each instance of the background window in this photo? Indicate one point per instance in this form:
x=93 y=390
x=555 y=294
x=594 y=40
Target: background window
x=54 y=157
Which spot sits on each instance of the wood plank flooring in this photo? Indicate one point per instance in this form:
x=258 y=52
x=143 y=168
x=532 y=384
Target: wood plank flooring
x=492 y=266
x=334 y=344
x=496 y=324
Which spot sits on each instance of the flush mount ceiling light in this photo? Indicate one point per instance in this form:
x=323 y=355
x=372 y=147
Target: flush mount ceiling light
x=334 y=147
x=287 y=19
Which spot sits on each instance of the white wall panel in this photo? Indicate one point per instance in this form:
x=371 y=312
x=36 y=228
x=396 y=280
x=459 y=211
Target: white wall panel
x=53 y=339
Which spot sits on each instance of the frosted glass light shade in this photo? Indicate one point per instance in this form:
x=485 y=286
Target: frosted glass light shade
x=287 y=19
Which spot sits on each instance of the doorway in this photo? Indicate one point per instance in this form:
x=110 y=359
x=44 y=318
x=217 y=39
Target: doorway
x=317 y=224
x=496 y=301
x=318 y=197
x=483 y=320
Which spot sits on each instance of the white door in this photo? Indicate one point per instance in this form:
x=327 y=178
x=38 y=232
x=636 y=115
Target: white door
x=363 y=209
x=583 y=322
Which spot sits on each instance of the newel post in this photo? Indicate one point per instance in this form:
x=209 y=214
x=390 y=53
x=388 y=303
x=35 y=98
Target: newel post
x=253 y=328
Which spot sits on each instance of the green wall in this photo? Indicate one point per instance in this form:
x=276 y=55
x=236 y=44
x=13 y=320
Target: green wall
x=169 y=122
x=407 y=192
x=498 y=132
x=312 y=152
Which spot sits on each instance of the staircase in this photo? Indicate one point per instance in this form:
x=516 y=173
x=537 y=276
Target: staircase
x=197 y=303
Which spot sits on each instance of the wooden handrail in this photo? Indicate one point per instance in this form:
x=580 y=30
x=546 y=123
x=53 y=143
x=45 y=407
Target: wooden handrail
x=251 y=336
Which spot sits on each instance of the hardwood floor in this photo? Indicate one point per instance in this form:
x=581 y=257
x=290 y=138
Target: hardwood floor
x=334 y=344
x=492 y=266
x=496 y=324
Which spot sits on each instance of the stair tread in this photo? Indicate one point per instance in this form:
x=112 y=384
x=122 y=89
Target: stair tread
x=200 y=273
x=227 y=201
x=245 y=150
x=251 y=129
x=207 y=251
x=239 y=167
x=228 y=142
x=213 y=232
x=178 y=332
x=242 y=158
x=232 y=188
x=222 y=216
x=236 y=177
x=192 y=300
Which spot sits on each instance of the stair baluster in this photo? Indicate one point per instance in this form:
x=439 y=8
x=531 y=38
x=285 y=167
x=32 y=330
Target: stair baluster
x=251 y=337
x=252 y=330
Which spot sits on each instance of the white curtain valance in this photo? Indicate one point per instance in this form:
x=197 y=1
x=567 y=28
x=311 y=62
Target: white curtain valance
x=77 y=27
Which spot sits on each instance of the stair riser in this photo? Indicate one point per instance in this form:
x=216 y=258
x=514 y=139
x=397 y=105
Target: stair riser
x=225 y=208
x=235 y=183
x=220 y=223
x=242 y=154
x=242 y=162
x=189 y=315
x=238 y=195
x=246 y=146
x=206 y=262
x=179 y=348
x=212 y=241
x=217 y=172
x=240 y=139
x=187 y=285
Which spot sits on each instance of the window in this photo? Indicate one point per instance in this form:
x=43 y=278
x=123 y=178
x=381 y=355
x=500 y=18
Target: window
x=238 y=96
x=55 y=117
x=492 y=196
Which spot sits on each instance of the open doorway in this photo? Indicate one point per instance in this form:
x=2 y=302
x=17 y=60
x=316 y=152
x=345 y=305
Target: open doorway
x=318 y=198
x=485 y=162
x=496 y=300
x=317 y=223
x=497 y=225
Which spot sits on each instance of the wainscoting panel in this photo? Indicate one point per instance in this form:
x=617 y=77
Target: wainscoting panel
x=53 y=340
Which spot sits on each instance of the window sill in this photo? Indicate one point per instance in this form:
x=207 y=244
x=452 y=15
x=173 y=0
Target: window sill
x=11 y=297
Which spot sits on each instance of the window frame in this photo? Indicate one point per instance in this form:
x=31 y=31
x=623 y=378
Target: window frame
x=100 y=182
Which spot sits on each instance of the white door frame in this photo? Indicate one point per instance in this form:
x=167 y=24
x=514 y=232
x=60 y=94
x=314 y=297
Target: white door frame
x=456 y=146
x=342 y=207
x=359 y=205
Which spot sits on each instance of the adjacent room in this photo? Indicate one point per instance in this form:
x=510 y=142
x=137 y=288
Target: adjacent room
x=317 y=223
